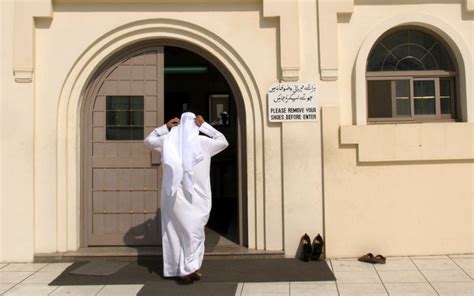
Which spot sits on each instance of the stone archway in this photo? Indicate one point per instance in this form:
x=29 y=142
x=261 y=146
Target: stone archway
x=121 y=182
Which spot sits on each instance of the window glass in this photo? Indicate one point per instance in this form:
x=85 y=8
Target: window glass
x=410 y=76
x=409 y=63
x=379 y=98
x=124 y=118
x=442 y=57
x=424 y=97
x=402 y=96
x=389 y=63
x=409 y=50
x=445 y=95
x=378 y=54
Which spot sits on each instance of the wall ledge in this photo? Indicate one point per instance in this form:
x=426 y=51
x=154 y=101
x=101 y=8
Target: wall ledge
x=411 y=142
x=469 y=5
x=23 y=75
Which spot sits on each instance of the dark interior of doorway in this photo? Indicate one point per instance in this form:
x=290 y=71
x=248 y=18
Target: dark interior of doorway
x=192 y=83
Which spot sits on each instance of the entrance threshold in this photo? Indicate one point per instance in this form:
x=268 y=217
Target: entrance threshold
x=217 y=247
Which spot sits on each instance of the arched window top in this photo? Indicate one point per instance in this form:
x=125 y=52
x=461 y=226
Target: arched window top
x=409 y=50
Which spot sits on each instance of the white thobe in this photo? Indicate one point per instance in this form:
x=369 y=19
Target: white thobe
x=183 y=219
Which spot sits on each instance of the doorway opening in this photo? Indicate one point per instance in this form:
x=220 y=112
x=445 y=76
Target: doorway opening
x=137 y=90
x=192 y=83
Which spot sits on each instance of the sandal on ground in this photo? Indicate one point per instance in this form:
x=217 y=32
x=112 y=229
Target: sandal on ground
x=379 y=259
x=196 y=276
x=369 y=258
x=185 y=280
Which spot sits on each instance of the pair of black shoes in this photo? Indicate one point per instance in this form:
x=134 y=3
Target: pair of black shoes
x=311 y=251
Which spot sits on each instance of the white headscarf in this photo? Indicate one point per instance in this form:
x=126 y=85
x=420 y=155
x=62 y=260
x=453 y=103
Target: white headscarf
x=181 y=152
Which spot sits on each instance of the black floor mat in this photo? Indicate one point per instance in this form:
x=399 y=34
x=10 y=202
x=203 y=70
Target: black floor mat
x=196 y=289
x=223 y=271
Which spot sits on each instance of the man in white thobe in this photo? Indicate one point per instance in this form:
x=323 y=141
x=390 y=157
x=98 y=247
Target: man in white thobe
x=186 y=191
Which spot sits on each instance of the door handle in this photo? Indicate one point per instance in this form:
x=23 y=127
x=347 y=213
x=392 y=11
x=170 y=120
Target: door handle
x=155 y=157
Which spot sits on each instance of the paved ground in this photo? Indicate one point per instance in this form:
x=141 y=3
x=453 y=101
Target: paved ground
x=433 y=275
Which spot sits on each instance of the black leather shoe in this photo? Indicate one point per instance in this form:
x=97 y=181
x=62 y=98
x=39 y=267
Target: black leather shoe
x=317 y=247
x=305 y=247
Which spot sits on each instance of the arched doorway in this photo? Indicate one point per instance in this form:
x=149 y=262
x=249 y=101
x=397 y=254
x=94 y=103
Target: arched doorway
x=136 y=90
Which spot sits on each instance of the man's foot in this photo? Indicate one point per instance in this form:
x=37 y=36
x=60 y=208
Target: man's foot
x=196 y=276
x=186 y=280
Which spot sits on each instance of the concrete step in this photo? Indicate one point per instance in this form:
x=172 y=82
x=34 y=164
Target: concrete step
x=134 y=253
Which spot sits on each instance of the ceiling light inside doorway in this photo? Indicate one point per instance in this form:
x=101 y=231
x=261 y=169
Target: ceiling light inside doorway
x=186 y=70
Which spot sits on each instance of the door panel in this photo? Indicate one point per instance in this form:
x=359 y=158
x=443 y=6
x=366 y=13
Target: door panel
x=123 y=189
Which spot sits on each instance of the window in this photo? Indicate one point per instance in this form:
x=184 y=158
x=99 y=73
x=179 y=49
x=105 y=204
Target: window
x=410 y=77
x=124 y=118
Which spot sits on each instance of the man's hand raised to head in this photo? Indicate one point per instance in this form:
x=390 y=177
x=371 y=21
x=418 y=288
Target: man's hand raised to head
x=173 y=122
x=199 y=120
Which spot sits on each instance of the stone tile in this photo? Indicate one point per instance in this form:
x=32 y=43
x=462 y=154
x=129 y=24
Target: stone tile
x=470 y=272
x=397 y=257
x=410 y=289
x=5 y=287
x=122 y=290
x=30 y=289
x=461 y=256
x=361 y=290
x=13 y=277
x=42 y=277
x=396 y=264
x=313 y=288
x=435 y=264
x=401 y=276
x=357 y=277
x=465 y=263
x=270 y=289
x=430 y=257
x=238 y=291
x=351 y=265
x=455 y=289
x=56 y=267
x=24 y=266
x=76 y=290
x=446 y=276
x=329 y=263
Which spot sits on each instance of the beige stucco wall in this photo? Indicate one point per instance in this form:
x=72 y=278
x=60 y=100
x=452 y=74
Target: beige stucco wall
x=54 y=38
x=397 y=189
x=17 y=162
x=396 y=206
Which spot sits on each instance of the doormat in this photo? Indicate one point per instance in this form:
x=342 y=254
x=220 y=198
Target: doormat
x=196 y=289
x=99 y=268
x=214 y=271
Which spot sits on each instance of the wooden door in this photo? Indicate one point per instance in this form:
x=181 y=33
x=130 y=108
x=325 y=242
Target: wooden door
x=121 y=180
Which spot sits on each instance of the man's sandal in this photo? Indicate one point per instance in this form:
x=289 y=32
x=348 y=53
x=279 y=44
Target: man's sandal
x=185 y=280
x=379 y=259
x=370 y=258
x=196 y=276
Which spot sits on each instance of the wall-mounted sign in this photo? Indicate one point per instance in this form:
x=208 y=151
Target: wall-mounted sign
x=292 y=102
